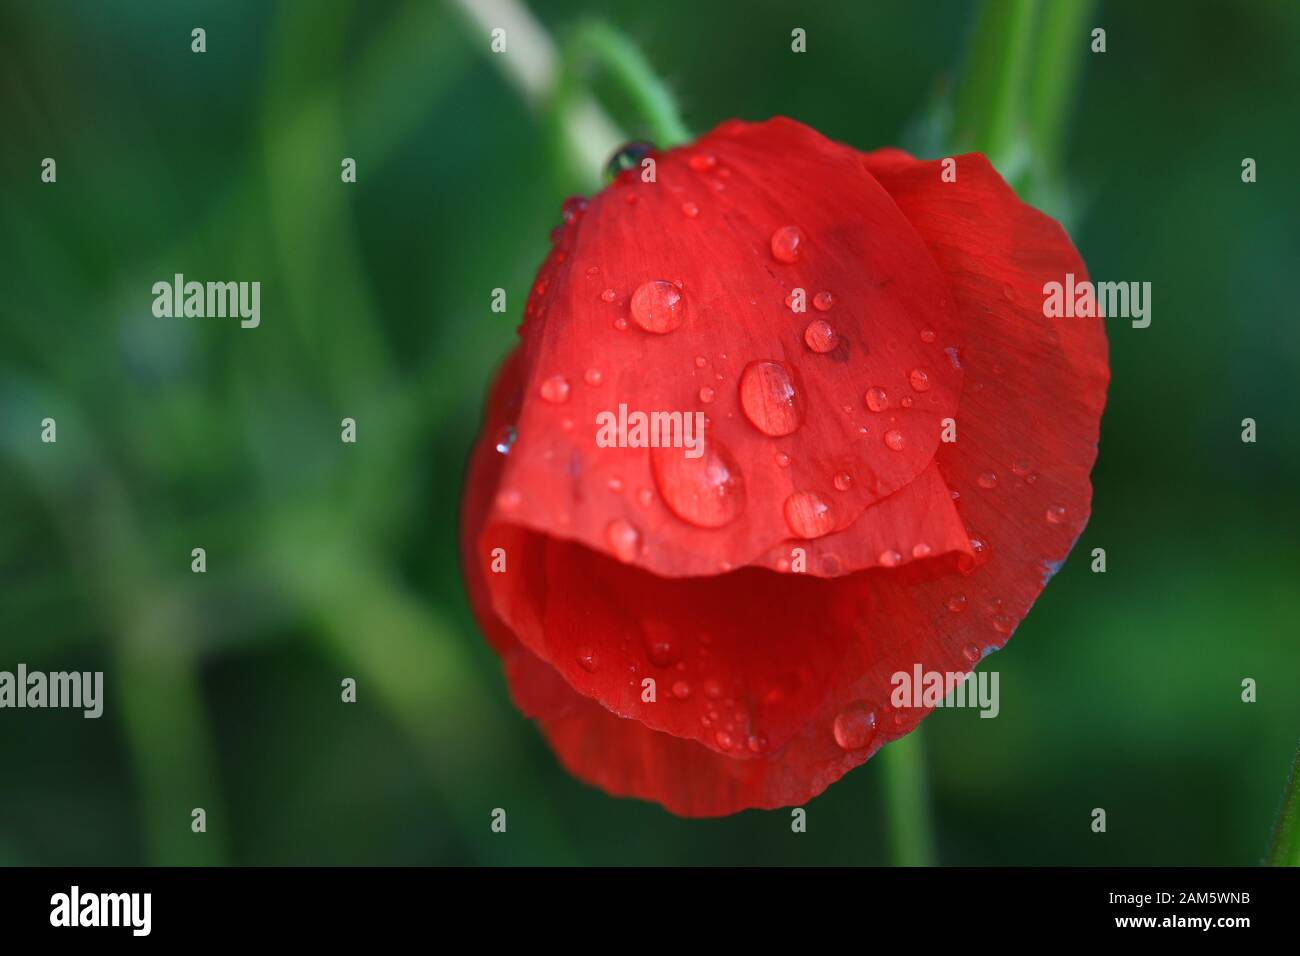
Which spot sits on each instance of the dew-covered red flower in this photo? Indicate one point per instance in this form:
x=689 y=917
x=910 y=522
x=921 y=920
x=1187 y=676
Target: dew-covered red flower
x=895 y=459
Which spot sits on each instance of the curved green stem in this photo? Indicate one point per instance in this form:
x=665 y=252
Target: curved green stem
x=650 y=96
x=1059 y=51
x=990 y=102
x=907 y=801
x=1286 y=832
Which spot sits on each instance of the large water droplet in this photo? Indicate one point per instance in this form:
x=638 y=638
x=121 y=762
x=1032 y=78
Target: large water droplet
x=819 y=336
x=786 y=242
x=662 y=653
x=768 y=397
x=890 y=559
x=855 y=726
x=658 y=307
x=920 y=380
x=842 y=480
x=979 y=556
x=624 y=540
x=628 y=156
x=708 y=491
x=823 y=301
x=555 y=390
x=877 y=399
x=809 y=514
x=894 y=440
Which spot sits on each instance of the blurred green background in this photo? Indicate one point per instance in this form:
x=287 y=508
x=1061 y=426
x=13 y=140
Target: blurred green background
x=328 y=560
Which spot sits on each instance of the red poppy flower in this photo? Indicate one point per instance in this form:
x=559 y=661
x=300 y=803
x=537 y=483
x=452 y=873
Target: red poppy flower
x=719 y=632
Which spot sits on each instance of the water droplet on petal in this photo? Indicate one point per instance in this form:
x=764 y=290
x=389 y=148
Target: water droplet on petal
x=921 y=550
x=1056 y=514
x=971 y=653
x=571 y=209
x=681 y=690
x=823 y=301
x=506 y=440
x=708 y=491
x=658 y=307
x=819 y=336
x=702 y=162
x=877 y=399
x=979 y=556
x=707 y=394
x=701 y=361
x=768 y=398
x=756 y=744
x=593 y=377
x=957 y=603
x=786 y=242
x=894 y=440
x=690 y=210
x=628 y=156
x=809 y=514
x=724 y=740
x=624 y=540
x=890 y=559
x=555 y=390
x=1002 y=624
x=587 y=659
x=920 y=380
x=855 y=726
x=987 y=479
x=927 y=335
x=661 y=653
x=508 y=499
x=842 y=480
x=1021 y=466
x=782 y=459
x=609 y=295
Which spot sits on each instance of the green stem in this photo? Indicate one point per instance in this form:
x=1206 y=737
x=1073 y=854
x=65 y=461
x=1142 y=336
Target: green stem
x=907 y=802
x=990 y=101
x=1286 y=832
x=1060 y=48
x=650 y=96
